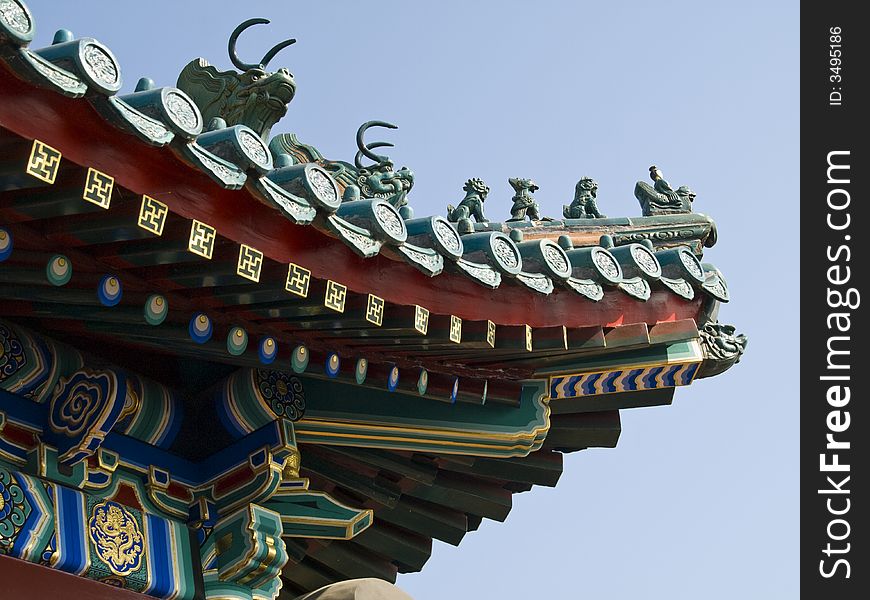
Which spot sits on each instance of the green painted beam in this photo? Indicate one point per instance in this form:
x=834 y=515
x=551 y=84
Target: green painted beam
x=426 y=518
x=408 y=549
x=619 y=400
x=587 y=430
x=352 y=561
x=394 y=462
x=538 y=468
x=380 y=490
x=308 y=575
x=468 y=494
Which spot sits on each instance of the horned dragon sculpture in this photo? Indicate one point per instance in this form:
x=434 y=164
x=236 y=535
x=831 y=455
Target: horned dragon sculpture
x=253 y=97
x=357 y=180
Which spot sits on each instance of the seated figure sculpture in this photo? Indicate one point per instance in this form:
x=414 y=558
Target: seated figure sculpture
x=472 y=205
x=660 y=198
x=583 y=205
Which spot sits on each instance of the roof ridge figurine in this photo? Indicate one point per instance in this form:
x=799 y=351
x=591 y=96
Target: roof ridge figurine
x=524 y=203
x=378 y=180
x=255 y=97
x=583 y=205
x=472 y=205
x=661 y=198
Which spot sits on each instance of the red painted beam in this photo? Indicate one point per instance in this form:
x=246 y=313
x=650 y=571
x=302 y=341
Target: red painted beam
x=20 y=580
x=80 y=133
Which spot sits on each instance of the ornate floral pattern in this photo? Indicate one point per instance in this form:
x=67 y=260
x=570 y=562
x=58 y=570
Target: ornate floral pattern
x=431 y=262
x=101 y=65
x=321 y=185
x=485 y=274
x=587 y=288
x=12 y=356
x=297 y=209
x=680 y=287
x=14 y=509
x=556 y=259
x=539 y=284
x=607 y=264
x=283 y=393
x=505 y=252
x=144 y=124
x=715 y=286
x=448 y=236
x=389 y=219
x=254 y=147
x=222 y=172
x=646 y=260
x=182 y=109
x=637 y=288
x=116 y=537
x=367 y=245
x=54 y=74
x=14 y=16
x=75 y=409
x=691 y=264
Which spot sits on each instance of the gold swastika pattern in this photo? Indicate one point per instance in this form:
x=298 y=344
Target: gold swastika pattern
x=44 y=162
x=98 y=188
x=528 y=338
x=202 y=238
x=490 y=334
x=335 y=296
x=250 y=263
x=152 y=215
x=298 y=280
x=421 y=319
x=375 y=310
x=455 y=329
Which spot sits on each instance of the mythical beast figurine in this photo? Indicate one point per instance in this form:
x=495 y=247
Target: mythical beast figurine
x=524 y=205
x=722 y=348
x=660 y=198
x=583 y=206
x=255 y=97
x=472 y=205
x=378 y=180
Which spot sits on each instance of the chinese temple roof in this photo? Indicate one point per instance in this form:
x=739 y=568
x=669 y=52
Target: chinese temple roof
x=428 y=367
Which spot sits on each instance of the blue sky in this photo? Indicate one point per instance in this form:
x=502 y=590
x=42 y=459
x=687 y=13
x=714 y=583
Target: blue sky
x=699 y=499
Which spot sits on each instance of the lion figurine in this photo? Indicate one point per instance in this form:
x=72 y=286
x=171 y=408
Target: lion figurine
x=472 y=205
x=583 y=206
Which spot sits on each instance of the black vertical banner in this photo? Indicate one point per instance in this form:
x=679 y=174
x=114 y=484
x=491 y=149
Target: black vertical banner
x=835 y=268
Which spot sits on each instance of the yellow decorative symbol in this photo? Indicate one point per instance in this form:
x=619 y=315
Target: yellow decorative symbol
x=375 y=310
x=201 y=239
x=490 y=333
x=421 y=319
x=455 y=329
x=98 y=188
x=292 y=465
x=335 y=296
x=298 y=280
x=250 y=263
x=528 y=338
x=116 y=537
x=44 y=162
x=152 y=215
